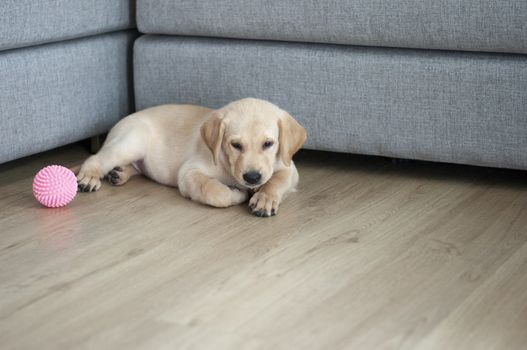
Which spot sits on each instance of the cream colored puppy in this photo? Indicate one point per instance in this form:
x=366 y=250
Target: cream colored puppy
x=216 y=157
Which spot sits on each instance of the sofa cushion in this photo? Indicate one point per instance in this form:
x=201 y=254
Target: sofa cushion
x=474 y=25
x=431 y=105
x=59 y=93
x=30 y=22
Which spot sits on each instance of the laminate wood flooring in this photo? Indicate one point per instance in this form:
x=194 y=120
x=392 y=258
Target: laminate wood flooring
x=368 y=254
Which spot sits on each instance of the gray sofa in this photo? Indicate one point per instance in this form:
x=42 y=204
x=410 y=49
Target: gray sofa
x=65 y=71
x=440 y=80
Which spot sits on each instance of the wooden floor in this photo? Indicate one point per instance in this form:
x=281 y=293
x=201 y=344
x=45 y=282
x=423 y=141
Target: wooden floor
x=367 y=255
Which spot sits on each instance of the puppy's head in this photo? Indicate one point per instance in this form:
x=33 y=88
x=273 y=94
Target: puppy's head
x=249 y=137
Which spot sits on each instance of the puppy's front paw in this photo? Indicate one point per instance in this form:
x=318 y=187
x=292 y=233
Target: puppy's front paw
x=88 y=181
x=263 y=204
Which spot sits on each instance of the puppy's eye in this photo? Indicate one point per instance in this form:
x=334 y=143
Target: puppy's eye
x=267 y=144
x=237 y=146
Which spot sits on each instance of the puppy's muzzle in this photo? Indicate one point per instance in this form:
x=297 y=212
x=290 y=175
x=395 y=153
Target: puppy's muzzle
x=252 y=177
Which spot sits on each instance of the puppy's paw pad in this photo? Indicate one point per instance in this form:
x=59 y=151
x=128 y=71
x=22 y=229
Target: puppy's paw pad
x=117 y=176
x=114 y=176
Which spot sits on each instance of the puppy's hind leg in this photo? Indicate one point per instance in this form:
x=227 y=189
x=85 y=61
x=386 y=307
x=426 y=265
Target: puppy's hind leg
x=125 y=144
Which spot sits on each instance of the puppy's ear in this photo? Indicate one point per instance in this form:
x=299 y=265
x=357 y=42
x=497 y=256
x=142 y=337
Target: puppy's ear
x=292 y=137
x=212 y=132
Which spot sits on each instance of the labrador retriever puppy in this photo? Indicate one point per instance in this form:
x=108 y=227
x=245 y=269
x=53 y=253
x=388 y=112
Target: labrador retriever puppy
x=216 y=157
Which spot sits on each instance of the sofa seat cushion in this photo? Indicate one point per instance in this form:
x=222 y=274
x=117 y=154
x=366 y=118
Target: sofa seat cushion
x=30 y=22
x=473 y=25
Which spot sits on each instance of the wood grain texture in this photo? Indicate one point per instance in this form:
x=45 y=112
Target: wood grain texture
x=367 y=255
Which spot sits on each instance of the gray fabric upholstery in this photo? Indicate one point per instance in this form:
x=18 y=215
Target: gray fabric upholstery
x=431 y=105
x=54 y=94
x=29 y=22
x=475 y=25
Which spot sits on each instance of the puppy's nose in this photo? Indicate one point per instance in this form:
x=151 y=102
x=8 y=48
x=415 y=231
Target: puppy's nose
x=252 y=177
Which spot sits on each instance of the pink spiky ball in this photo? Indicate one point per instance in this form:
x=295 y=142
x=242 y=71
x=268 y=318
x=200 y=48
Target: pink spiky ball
x=54 y=186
